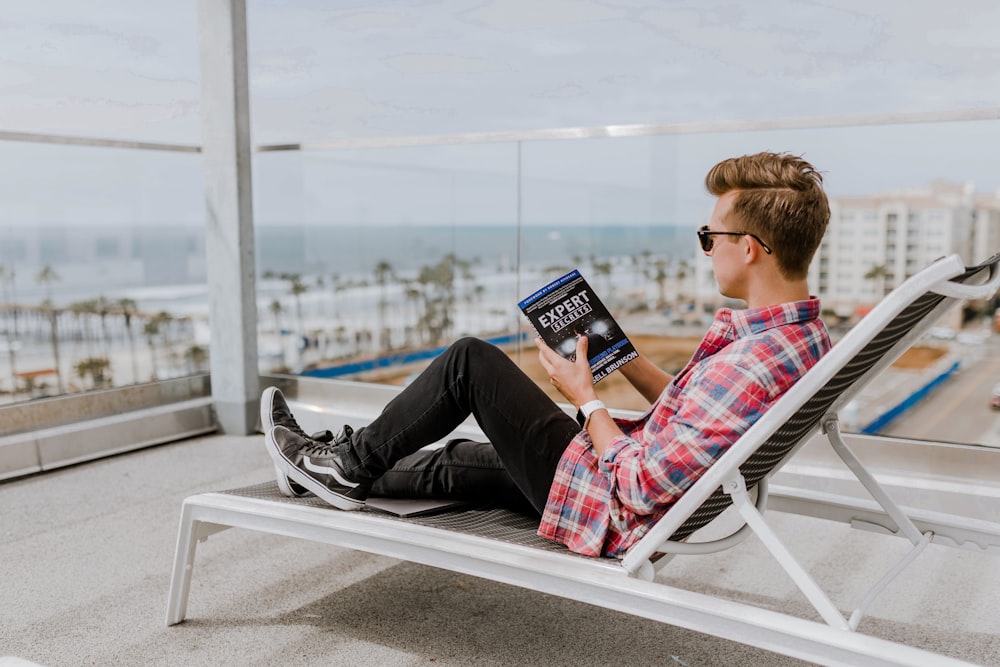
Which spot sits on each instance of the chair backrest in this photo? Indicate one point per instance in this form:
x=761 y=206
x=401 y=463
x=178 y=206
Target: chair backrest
x=863 y=353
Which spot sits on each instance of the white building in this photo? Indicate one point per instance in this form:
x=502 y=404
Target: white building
x=986 y=225
x=873 y=243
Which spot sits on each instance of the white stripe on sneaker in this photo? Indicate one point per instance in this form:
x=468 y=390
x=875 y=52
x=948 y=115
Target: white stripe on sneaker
x=327 y=470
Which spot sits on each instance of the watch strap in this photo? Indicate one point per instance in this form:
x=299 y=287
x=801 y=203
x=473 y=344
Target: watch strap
x=589 y=408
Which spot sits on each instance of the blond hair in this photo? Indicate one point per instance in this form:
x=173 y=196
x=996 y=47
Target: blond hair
x=780 y=198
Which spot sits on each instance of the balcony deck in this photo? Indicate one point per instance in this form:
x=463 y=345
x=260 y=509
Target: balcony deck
x=87 y=552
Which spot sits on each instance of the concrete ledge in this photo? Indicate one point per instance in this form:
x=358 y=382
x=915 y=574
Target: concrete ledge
x=41 y=413
x=18 y=457
x=66 y=444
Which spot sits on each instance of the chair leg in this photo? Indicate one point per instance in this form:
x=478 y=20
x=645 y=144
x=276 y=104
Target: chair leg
x=192 y=531
x=831 y=427
x=180 y=578
x=736 y=487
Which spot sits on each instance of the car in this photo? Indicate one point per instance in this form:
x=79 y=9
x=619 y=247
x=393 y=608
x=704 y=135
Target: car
x=995 y=398
x=965 y=338
x=941 y=333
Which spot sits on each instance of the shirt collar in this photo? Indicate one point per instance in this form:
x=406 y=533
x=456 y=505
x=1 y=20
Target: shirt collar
x=755 y=320
x=731 y=325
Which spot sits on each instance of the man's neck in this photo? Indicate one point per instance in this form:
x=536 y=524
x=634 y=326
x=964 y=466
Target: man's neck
x=775 y=293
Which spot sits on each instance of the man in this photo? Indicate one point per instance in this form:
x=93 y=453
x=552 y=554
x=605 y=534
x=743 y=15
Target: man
x=598 y=488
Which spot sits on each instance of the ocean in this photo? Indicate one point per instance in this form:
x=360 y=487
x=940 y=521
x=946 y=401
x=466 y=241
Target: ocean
x=357 y=251
x=165 y=267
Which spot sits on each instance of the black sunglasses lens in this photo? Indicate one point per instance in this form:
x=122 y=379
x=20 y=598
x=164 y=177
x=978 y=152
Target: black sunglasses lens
x=706 y=240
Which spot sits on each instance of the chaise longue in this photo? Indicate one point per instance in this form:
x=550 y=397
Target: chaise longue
x=502 y=546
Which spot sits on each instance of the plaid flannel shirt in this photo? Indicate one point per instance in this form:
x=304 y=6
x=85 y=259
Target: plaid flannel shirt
x=746 y=361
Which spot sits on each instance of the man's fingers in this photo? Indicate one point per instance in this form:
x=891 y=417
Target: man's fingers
x=582 y=343
x=543 y=355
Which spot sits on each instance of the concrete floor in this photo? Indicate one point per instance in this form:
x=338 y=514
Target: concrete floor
x=86 y=554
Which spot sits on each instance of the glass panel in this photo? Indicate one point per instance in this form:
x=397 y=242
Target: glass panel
x=615 y=210
x=624 y=211
x=375 y=227
x=371 y=257
x=104 y=247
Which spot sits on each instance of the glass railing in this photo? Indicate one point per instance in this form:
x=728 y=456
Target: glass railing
x=371 y=258
x=399 y=250
x=102 y=273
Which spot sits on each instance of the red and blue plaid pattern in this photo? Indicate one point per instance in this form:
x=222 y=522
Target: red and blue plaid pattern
x=746 y=361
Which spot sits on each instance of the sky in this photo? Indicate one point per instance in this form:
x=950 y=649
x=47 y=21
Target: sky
x=324 y=71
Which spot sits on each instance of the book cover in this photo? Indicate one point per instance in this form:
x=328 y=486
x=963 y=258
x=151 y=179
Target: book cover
x=406 y=507
x=566 y=308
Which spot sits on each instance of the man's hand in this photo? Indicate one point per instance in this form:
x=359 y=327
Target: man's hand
x=573 y=379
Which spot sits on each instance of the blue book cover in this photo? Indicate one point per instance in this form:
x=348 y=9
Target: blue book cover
x=567 y=308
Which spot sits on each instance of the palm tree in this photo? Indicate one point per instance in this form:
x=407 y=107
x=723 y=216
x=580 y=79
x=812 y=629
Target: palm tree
x=96 y=368
x=438 y=291
x=298 y=288
x=682 y=274
x=155 y=327
x=878 y=274
x=337 y=287
x=276 y=310
x=127 y=308
x=196 y=356
x=478 y=291
x=151 y=329
x=46 y=277
x=658 y=274
x=383 y=273
x=7 y=278
x=166 y=321
x=413 y=295
x=468 y=284
x=102 y=308
x=320 y=285
x=602 y=269
x=81 y=310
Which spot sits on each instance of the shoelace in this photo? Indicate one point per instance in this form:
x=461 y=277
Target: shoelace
x=328 y=444
x=293 y=426
x=288 y=421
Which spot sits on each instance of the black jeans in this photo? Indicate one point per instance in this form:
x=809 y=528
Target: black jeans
x=527 y=434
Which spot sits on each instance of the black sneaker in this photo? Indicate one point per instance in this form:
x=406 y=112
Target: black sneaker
x=316 y=466
x=274 y=412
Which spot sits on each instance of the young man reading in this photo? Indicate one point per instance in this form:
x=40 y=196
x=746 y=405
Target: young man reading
x=599 y=487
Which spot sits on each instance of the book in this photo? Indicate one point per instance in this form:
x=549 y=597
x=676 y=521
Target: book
x=407 y=507
x=567 y=308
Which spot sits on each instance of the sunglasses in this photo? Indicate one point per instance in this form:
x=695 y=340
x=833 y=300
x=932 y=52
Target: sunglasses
x=707 y=242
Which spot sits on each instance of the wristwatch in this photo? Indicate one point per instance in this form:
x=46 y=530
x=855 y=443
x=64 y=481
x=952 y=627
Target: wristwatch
x=588 y=409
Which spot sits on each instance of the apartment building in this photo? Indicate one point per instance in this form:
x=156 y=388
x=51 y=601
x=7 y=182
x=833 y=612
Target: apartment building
x=875 y=242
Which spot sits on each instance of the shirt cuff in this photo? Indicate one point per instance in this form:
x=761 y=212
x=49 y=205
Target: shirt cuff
x=606 y=463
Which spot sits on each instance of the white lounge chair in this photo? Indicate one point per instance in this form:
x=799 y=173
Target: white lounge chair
x=500 y=545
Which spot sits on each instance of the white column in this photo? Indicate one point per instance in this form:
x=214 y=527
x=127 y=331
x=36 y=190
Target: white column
x=229 y=244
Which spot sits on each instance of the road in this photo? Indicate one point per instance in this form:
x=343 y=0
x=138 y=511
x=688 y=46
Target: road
x=959 y=410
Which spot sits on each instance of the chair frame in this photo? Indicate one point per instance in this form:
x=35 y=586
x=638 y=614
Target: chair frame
x=737 y=478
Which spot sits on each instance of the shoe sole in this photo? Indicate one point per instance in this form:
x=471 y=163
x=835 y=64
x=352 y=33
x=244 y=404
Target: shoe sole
x=283 y=486
x=266 y=411
x=266 y=399
x=288 y=468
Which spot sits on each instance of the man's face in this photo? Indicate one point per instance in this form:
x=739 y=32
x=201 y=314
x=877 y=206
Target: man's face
x=727 y=252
